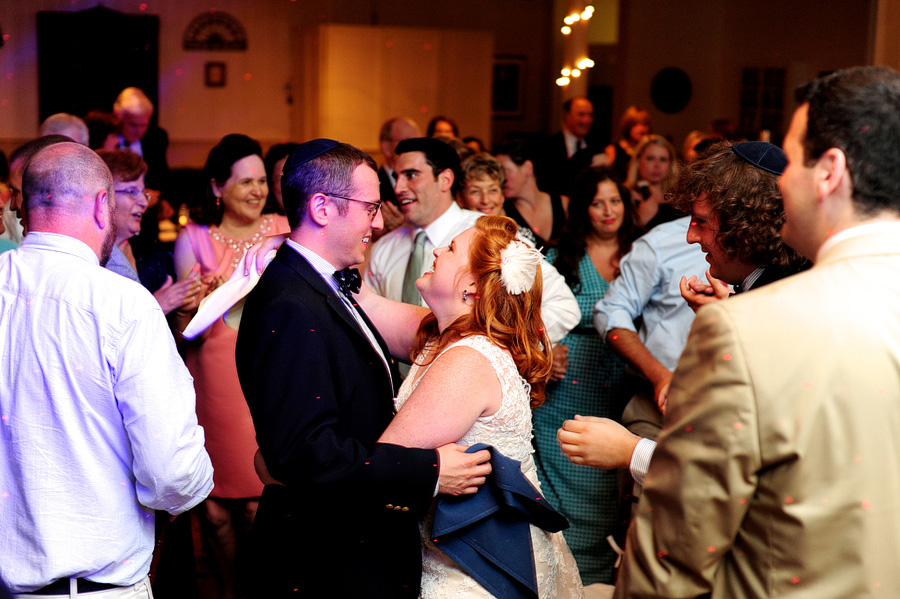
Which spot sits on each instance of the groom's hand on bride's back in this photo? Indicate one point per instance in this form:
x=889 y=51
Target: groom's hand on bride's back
x=461 y=473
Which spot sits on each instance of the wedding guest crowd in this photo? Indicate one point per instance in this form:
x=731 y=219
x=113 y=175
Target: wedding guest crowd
x=698 y=350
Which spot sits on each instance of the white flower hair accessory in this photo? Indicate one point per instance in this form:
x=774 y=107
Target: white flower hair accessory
x=518 y=266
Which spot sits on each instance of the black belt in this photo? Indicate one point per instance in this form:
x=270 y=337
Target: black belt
x=61 y=587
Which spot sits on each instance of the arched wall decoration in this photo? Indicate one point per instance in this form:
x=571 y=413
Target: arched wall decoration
x=215 y=30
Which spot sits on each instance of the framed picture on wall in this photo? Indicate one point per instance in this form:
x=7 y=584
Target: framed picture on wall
x=509 y=87
x=215 y=74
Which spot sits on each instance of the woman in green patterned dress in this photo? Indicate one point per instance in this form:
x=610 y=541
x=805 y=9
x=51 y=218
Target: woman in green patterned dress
x=600 y=230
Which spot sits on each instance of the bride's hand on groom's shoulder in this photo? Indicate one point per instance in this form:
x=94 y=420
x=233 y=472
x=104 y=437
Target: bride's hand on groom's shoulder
x=461 y=473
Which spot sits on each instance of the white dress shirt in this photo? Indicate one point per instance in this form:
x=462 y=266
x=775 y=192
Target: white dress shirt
x=573 y=143
x=326 y=270
x=391 y=253
x=97 y=416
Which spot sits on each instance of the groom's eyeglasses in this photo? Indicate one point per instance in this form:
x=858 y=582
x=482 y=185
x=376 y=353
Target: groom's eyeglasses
x=371 y=210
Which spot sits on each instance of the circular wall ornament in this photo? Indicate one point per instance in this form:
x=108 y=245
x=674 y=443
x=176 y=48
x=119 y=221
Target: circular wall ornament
x=671 y=90
x=215 y=30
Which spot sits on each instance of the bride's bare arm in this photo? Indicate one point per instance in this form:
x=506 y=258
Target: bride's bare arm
x=458 y=387
x=397 y=322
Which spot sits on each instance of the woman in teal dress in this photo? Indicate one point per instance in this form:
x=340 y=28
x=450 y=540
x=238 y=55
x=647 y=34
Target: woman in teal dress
x=600 y=230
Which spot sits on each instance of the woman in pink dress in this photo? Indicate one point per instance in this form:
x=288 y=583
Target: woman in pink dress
x=233 y=223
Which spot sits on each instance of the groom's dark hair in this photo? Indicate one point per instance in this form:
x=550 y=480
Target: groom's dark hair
x=329 y=172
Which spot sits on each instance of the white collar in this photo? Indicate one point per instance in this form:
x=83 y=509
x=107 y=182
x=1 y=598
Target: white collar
x=750 y=279
x=60 y=243
x=437 y=231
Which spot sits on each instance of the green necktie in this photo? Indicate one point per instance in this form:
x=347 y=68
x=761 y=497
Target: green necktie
x=410 y=295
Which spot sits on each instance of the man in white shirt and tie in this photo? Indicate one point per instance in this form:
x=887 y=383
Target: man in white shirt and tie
x=428 y=177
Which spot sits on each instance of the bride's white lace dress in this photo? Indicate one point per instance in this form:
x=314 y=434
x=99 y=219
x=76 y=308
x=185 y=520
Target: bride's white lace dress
x=509 y=431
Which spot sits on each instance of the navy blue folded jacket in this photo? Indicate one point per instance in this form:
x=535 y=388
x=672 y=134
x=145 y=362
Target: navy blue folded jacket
x=487 y=534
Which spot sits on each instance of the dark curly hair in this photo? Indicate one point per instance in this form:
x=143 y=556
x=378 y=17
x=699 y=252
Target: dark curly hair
x=746 y=201
x=572 y=244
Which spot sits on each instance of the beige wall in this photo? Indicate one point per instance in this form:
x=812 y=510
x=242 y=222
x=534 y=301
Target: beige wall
x=367 y=74
x=255 y=99
x=710 y=39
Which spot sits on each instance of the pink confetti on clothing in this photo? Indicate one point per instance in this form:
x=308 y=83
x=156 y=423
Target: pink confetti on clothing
x=866 y=505
x=806 y=384
x=789 y=500
x=738 y=426
x=711 y=549
x=726 y=357
x=795 y=580
x=688 y=428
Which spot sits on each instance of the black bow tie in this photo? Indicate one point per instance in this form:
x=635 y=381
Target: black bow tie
x=349 y=281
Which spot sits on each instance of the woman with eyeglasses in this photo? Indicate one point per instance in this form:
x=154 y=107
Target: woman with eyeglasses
x=231 y=221
x=152 y=266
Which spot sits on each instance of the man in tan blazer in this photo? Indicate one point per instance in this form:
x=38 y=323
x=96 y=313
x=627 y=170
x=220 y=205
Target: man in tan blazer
x=778 y=469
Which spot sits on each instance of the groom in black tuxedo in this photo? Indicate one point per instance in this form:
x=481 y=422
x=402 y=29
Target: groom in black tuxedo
x=320 y=383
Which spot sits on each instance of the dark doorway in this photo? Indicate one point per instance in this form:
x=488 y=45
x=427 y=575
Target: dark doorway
x=86 y=58
x=601 y=96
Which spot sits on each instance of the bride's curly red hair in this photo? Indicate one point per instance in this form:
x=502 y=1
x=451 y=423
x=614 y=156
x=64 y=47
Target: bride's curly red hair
x=512 y=322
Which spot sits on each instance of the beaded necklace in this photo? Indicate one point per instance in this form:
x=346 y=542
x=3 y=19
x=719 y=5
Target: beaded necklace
x=240 y=246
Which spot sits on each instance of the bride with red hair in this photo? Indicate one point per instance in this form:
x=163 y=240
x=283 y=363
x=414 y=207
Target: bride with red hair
x=481 y=361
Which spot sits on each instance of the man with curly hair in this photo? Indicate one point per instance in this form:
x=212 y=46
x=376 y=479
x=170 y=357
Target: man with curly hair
x=736 y=217
x=732 y=195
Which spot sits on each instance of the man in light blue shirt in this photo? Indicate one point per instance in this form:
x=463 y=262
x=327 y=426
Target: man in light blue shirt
x=648 y=287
